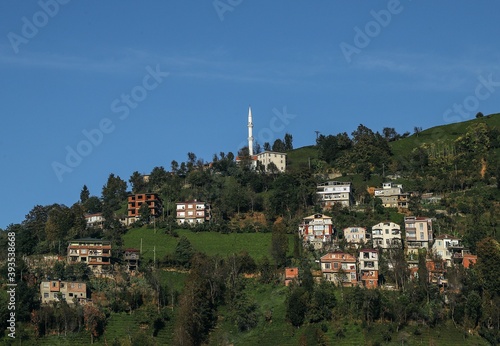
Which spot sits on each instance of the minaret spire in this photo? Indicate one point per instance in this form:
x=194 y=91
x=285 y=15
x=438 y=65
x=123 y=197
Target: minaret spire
x=250 y=129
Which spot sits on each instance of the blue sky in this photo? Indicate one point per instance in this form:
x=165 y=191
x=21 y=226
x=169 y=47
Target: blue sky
x=67 y=67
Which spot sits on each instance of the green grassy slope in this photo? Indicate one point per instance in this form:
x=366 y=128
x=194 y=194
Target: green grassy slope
x=256 y=244
x=444 y=133
x=298 y=158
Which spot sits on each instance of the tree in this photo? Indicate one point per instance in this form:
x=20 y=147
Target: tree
x=92 y=205
x=84 y=194
x=35 y=220
x=288 y=141
x=390 y=134
x=138 y=183
x=174 y=166
x=267 y=146
x=279 y=244
x=488 y=264
x=113 y=194
x=94 y=320
x=144 y=213
x=279 y=146
x=296 y=306
x=479 y=115
x=158 y=178
x=184 y=252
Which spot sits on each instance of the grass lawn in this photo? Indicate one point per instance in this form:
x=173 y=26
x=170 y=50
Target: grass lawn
x=276 y=332
x=298 y=158
x=256 y=244
x=443 y=133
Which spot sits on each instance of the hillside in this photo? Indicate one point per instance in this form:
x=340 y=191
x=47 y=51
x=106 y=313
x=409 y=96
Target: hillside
x=229 y=272
x=300 y=157
x=444 y=133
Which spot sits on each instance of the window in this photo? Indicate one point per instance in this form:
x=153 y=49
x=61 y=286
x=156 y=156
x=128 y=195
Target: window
x=386 y=231
x=54 y=283
x=336 y=266
x=327 y=265
x=46 y=284
x=421 y=226
x=421 y=235
x=83 y=251
x=45 y=295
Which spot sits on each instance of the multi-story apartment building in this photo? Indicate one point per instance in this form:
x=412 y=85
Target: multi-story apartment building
x=446 y=246
x=132 y=258
x=418 y=234
x=335 y=192
x=356 y=236
x=267 y=157
x=317 y=230
x=57 y=290
x=135 y=202
x=386 y=235
x=192 y=212
x=340 y=268
x=96 y=253
x=95 y=220
x=392 y=196
x=368 y=267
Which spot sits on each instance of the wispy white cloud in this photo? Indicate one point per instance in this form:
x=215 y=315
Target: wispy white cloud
x=428 y=71
x=216 y=64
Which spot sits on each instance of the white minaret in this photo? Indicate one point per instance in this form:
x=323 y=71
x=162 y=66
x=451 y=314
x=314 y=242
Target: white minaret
x=250 y=129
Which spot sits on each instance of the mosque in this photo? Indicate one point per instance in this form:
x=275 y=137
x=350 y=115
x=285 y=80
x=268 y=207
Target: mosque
x=264 y=158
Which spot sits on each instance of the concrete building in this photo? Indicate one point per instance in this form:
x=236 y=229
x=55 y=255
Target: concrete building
x=368 y=267
x=57 y=290
x=272 y=157
x=386 y=235
x=135 y=202
x=95 y=220
x=418 y=234
x=96 y=253
x=132 y=259
x=356 y=236
x=392 y=196
x=317 y=230
x=192 y=212
x=446 y=246
x=340 y=268
x=335 y=192
x=264 y=159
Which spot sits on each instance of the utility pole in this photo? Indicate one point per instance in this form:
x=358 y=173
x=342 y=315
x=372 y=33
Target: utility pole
x=141 y=246
x=317 y=135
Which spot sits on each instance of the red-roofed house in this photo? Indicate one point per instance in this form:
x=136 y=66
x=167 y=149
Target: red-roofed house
x=340 y=268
